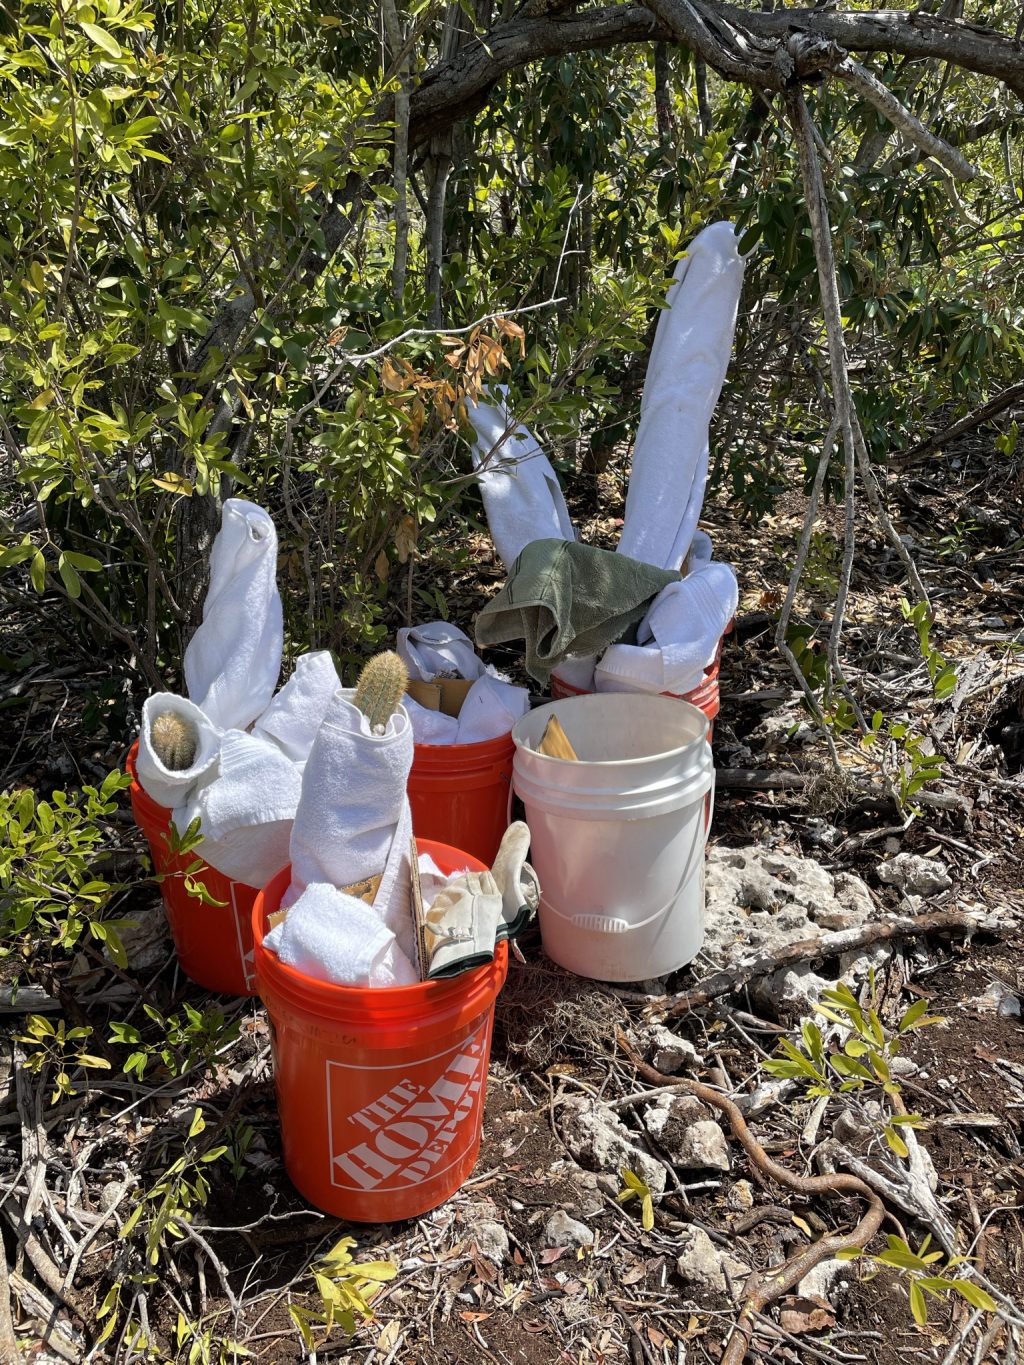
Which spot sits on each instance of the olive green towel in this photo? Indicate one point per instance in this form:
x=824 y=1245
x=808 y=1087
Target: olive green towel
x=565 y=598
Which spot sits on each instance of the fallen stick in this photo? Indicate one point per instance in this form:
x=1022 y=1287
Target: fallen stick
x=764 y=1288
x=1003 y=400
x=828 y=945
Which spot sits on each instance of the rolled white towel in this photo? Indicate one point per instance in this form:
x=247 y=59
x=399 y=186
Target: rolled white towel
x=233 y=661
x=245 y=807
x=292 y=719
x=169 y=786
x=689 y=359
x=522 y=496
x=334 y=937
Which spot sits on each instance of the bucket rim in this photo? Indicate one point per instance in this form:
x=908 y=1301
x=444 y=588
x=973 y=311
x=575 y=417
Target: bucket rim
x=291 y=981
x=698 y=739
x=499 y=744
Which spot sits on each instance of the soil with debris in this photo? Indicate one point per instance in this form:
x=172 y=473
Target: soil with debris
x=539 y=1258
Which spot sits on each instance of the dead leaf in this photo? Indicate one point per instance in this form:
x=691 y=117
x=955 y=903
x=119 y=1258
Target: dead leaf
x=406 y=534
x=806 y=1315
x=381 y=567
x=469 y=1316
x=389 y=1335
x=551 y=1254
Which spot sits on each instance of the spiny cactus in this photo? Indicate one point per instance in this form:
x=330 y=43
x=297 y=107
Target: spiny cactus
x=380 y=688
x=174 y=739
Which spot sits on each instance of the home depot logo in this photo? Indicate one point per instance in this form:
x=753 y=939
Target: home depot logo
x=412 y=1130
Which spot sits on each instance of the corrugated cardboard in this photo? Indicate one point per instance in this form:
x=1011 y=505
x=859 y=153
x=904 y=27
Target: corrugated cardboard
x=443 y=694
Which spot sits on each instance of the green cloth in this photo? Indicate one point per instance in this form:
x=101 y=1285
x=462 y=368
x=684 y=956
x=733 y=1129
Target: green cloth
x=565 y=598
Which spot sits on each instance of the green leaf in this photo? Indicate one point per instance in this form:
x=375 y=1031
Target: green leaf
x=37 y=572
x=975 y=1295
x=85 y=563
x=917 y=1304
x=69 y=577
x=102 y=39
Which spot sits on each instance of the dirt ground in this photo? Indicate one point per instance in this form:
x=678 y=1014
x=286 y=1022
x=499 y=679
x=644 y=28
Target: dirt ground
x=221 y=1290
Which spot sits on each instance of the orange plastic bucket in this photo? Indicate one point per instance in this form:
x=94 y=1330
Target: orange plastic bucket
x=380 y=1091
x=705 y=696
x=459 y=794
x=213 y=942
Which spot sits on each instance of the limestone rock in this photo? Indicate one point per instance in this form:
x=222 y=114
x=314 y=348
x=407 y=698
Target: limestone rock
x=704 y=1148
x=491 y=1239
x=701 y=1262
x=666 y=1051
x=914 y=875
x=825 y=1281
x=758 y=901
x=562 y=1231
x=690 y=1136
x=598 y=1140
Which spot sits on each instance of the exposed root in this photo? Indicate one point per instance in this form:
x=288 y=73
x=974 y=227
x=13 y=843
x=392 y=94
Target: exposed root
x=765 y=1288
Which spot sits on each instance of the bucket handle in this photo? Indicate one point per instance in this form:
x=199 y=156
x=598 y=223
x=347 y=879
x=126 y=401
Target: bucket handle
x=601 y=924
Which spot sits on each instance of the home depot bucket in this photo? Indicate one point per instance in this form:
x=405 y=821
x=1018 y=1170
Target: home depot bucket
x=213 y=942
x=459 y=794
x=618 y=839
x=705 y=696
x=380 y=1091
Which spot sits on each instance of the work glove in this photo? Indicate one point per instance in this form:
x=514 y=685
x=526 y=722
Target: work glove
x=478 y=909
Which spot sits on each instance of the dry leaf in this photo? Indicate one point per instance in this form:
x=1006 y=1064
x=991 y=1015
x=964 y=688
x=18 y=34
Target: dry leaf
x=389 y=1335
x=381 y=567
x=806 y=1315
x=551 y=1254
x=406 y=533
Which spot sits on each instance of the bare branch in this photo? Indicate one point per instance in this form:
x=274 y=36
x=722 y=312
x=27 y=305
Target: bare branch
x=900 y=117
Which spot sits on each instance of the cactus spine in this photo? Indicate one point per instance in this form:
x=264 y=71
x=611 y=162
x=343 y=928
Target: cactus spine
x=380 y=689
x=175 y=740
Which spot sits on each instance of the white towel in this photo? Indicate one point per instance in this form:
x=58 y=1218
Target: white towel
x=353 y=819
x=431 y=727
x=522 y=496
x=166 y=786
x=578 y=673
x=245 y=808
x=490 y=710
x=438 y=648
x=233 y=661
x=677 y=639
x=292 y=719
x=334 y=937
x=685 y=374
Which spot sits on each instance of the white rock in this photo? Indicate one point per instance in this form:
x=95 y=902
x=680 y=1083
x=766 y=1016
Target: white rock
x=667 y=1052
x=597 y=1139
x=701 y=1262
x=997 y=999
x=914 y=875
x=562 y=1231
x=759 y=900
x=825 y=1280
x=704 y=1148
x=491 y=1239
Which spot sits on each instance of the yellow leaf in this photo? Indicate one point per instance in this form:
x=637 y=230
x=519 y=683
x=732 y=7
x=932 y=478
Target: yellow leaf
x=174 y=483
x=803 y=1225
x=41 y=400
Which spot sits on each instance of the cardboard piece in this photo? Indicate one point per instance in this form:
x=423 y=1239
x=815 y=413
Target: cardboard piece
x=419 y=917
x=554 y=742
x=443 y=694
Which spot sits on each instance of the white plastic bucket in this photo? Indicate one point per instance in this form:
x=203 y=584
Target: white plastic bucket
x=618 y=839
